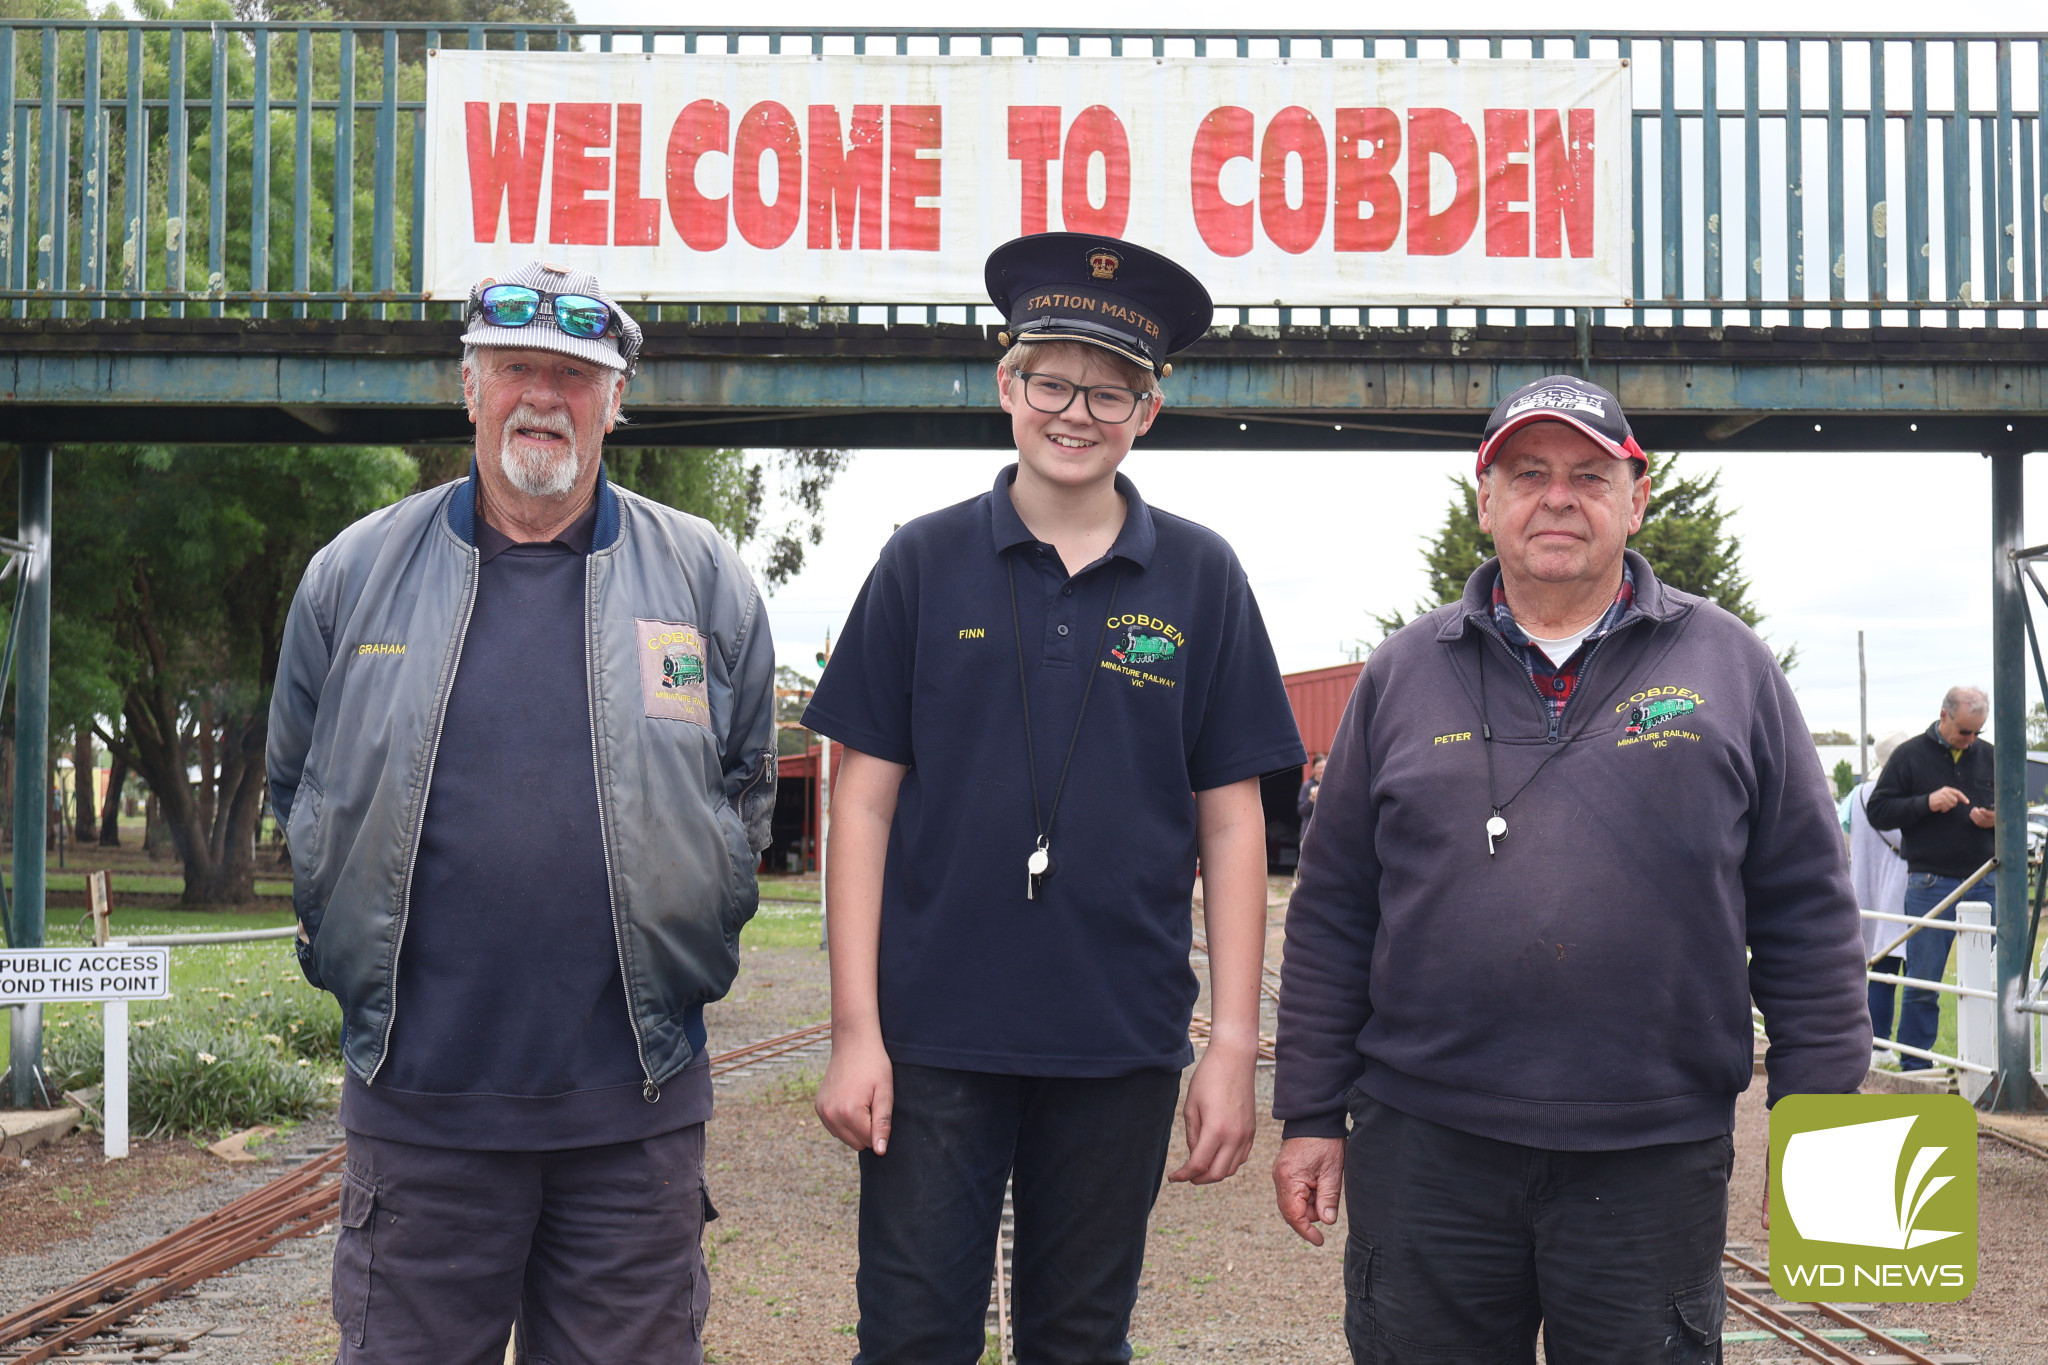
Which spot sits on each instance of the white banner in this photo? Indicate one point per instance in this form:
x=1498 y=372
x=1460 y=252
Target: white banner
x=840 y=179
x=42 y=976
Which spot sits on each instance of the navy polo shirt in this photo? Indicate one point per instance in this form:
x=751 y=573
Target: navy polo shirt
x=1091 y=978
x=511 y=1030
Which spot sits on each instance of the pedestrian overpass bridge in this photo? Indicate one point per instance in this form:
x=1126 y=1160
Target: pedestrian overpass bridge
x=213 y=233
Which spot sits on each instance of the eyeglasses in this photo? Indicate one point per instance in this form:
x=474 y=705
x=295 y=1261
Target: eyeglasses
x=1111 y=403
x=515 y=305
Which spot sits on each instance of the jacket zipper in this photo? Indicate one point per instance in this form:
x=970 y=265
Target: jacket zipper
x=1554 y=719
x=649 y=1091
x=420 y=813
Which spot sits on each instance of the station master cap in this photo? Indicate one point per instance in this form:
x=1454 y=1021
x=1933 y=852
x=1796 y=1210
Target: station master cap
x=1099 y=291
x=1578 y=403
x=548 y=307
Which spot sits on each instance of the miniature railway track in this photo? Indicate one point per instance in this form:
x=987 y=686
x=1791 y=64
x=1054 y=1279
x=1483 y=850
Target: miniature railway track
x=778 y=1048
x=1808 y=1342
x=294 y=1205
x=305 y=1200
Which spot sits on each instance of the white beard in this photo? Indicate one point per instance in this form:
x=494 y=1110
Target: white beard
x=540 y=471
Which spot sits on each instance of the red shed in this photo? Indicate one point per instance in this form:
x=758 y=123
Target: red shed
x=1319 y=697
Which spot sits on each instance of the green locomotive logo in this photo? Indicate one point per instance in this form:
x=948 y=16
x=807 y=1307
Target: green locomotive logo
x=679 y=670
x=1143 y=647
x=1648 y=715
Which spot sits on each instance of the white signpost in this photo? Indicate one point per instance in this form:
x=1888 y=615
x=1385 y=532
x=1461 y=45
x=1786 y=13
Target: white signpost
x=113 y=974
x=888 y=179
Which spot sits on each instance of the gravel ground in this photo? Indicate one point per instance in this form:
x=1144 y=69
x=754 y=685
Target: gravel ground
x=268 y=1311
x=1224 y=1278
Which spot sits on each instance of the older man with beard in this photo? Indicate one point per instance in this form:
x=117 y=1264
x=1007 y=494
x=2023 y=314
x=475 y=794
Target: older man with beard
x=523 y=743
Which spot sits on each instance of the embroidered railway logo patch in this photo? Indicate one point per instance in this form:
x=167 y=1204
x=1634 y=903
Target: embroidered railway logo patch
x=672 y=681
x=1659 y=706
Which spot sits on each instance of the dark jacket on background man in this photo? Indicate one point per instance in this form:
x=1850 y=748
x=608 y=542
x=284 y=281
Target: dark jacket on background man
x=1584 y=988
x=1946 y=843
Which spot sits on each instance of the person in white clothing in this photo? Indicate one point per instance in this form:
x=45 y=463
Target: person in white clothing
x=1877 y=869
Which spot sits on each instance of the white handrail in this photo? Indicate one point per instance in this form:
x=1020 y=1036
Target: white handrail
x=226 y=936
x=1927 y=923
x=1956 y=1062
x=1968 y=992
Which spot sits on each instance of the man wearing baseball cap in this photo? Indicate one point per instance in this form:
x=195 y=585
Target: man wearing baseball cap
x=1572 y=825
x=523 y=742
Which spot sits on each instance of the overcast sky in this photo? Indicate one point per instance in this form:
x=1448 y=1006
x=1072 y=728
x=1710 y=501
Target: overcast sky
x=1895 y=545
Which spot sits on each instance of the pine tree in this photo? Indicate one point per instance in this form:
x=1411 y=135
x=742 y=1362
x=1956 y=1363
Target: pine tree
x=1684 y=536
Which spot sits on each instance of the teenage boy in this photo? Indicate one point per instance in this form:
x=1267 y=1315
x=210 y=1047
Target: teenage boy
x=1053 y=699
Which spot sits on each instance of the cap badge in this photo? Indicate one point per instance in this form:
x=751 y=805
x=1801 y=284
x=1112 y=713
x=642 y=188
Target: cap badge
x=1555 y=398
x=1104 y=263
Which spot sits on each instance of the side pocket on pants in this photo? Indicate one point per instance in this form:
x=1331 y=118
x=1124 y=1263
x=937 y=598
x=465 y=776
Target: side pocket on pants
x=1359 y=1328
x=700 y=1293
x=353 y=1257
x=1699 y=1310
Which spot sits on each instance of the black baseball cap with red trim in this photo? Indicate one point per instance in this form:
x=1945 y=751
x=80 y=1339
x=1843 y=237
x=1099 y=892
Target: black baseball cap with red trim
x=1578 y=403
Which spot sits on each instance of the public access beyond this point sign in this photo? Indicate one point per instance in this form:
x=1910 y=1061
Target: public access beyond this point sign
x=43 y=976
x=888 y=179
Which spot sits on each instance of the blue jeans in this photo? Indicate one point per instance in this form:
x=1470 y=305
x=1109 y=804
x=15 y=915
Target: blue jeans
x=1927 y=959
x=1884 y=995
x=1462 y=1248
x=1084 y=1158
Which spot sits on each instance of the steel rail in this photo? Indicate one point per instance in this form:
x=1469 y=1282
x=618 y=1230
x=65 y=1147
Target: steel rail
x=769 y=1049
x=1877 y=1335
x=294 y=1205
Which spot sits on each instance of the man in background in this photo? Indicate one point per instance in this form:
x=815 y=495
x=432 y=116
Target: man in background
x=1305 y=803
x=1937 y=793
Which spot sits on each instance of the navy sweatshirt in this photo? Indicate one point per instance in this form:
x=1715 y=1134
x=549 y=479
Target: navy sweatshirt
x=511 y=1030
x=1671 y=854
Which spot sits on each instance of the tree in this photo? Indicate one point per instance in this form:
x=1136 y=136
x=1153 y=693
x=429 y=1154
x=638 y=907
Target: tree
x=728 y=488
x=1845 y=778
x=792 y=693
x=2037 y=727
x=185 y=581
x=1683 y=535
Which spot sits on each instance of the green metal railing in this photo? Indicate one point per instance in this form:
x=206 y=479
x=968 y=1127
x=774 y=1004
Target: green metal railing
x=228 y=169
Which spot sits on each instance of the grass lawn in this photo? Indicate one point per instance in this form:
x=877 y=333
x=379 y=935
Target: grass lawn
x=213 y=978
x=209 y=978
x=144 y=883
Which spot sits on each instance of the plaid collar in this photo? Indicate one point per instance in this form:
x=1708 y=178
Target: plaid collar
x=1513 y=633
x=1556 y=682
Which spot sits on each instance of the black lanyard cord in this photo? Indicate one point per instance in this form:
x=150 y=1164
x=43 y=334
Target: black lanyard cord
x=1044 y=821
x=1486 y=737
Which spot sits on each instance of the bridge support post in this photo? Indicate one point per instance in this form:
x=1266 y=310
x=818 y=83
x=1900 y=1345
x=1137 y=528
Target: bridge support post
x=31 y=765
x=2013 y=1087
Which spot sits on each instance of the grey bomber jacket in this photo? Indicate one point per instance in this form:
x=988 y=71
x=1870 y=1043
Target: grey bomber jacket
x=682 y=705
